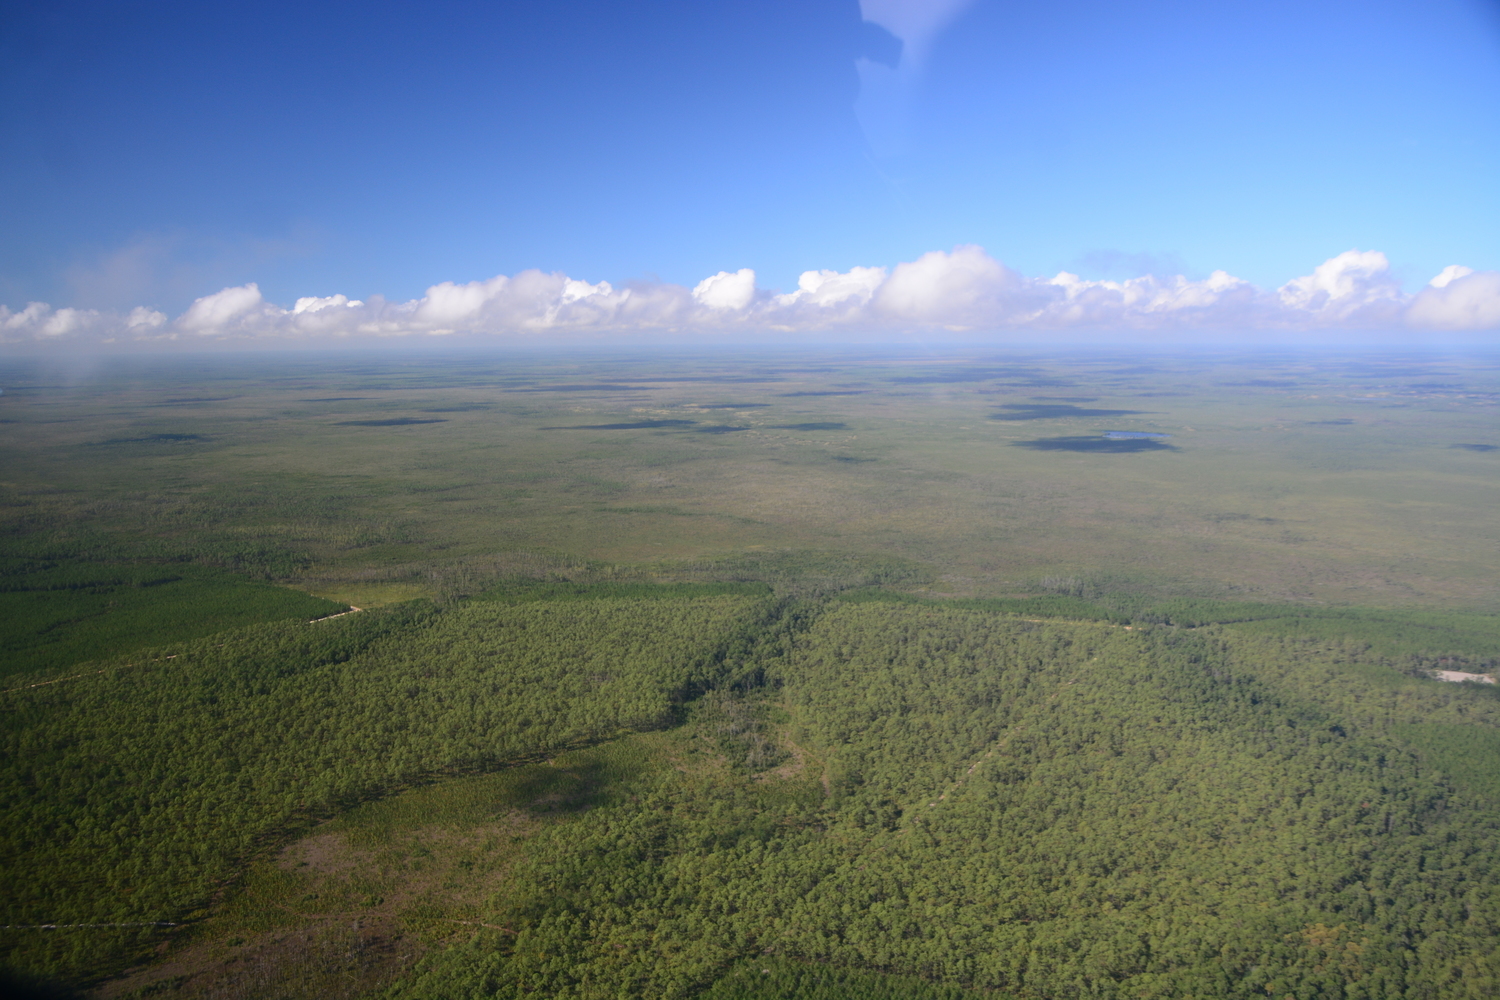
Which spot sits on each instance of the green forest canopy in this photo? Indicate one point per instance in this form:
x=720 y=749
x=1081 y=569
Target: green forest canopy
x=979 y=802
x=633 y=710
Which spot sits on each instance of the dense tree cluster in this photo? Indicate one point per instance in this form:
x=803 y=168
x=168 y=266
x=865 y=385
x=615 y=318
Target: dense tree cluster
x=1038 y=809
x=870 y=797
x=130 y=797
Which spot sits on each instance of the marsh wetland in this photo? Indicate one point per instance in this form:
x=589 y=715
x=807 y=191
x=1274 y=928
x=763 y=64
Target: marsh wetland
x=798 y=676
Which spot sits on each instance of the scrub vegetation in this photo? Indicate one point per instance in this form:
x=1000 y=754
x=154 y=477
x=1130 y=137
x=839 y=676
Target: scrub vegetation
x=860 y=700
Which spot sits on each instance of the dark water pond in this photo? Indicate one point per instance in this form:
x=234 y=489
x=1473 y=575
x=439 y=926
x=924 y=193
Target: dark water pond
x=827 y=425
x=634 y=425
x=159 y=439
x=1054 y=411
x=1098 y=444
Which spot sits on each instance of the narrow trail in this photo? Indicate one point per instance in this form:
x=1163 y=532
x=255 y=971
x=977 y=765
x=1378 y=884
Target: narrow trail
x=1018 y=730
x=325 y=618
x=1005 y=739
x=74 y=677
x=1069 y=621
x=997 y=747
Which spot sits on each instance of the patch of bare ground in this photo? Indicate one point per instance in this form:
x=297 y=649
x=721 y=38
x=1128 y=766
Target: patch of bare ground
x=792 y=768
x=318 y=957
x=801 y=761
x=338 y=914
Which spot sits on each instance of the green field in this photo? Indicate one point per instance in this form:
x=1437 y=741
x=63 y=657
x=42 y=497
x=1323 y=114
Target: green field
x=1341 y=482
x=806 y=677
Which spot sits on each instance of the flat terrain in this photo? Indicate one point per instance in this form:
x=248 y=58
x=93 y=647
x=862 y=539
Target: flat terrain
x=808 y=677
x=1350 y=481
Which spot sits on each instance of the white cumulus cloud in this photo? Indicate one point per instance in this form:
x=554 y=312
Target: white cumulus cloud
x=1464 y=300
x=140 y=318
x=1450 y=274
x=826 y=298
x=962 y=290
x=313 y=303
x=222 y=310
x=1355 y=284
x=39 y=322
x=727 y=291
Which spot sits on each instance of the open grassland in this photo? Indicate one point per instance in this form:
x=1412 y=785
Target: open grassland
x=83 y=612
x=1351 y=482
x=808 y=678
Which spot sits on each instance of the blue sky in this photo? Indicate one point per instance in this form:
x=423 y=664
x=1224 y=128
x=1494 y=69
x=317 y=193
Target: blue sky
x=158 y=152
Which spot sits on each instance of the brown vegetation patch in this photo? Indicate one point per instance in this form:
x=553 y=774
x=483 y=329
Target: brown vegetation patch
x=339 y=913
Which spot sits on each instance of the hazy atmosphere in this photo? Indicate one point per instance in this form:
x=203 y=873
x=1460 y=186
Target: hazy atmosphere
x=820 y=500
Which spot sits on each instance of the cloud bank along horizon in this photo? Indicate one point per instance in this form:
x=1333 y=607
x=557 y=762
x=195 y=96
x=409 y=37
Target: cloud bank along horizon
x=964 y=291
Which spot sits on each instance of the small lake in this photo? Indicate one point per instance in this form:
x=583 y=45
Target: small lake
x=1134 y=436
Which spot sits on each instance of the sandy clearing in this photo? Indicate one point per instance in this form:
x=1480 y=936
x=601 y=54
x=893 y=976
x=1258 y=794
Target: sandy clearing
x=1459 y=676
